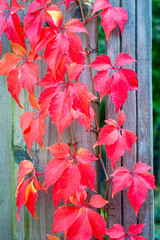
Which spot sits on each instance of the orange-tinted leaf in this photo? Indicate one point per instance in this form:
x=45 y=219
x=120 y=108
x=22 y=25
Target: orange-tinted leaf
x=57 y=17
x=25 y=168
x=33 y=101
x=84 y=156
x=21 y=197
x=8 y=62
x=37 y=184
x=31 y=198
x=60 y=150
x=33 y=129
x=50 y=237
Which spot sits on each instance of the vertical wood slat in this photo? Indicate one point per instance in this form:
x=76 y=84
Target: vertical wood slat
x=128 y=45
x=136 y=41
x=6 y=206
x=144 y=108
x=34 y=229
x=112 y=50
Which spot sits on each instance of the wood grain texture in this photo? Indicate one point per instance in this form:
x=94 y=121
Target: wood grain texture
x=6 y=206
x=136 y=41
x=44 y=206
x=128 y=45
x=112 y=50
x=144 y=107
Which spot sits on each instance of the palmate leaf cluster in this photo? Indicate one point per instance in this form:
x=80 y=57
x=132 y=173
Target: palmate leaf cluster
x=65 y=99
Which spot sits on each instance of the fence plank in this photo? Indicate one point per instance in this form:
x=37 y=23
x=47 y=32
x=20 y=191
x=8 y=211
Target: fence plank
x=44 y=205
x=144 y=108
x=128 y=45
x=136 y=41
x=6 y=206
x=112 y=50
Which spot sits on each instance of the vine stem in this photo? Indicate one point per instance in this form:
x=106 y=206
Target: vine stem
x=93 y=92
x=93 y=17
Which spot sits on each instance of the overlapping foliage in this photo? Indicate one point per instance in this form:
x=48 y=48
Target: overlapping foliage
x=65 y=100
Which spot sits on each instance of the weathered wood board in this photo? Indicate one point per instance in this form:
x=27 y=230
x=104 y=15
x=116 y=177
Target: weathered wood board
x=137 y=42
x=13 y=151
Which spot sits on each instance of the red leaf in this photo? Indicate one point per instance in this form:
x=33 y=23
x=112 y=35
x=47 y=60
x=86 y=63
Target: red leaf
x=88 y=175
x=115 y=151
x=108 y=135
x=81 y=98
x=79 y=197
x=82 y=222
x=115 y=139
x=33 y=129
x=135 y=229
x=97 y=201
x=122 y=179
x=61 y=111
x=31 y=198
x=21 y=197
x=121 y=118
x=15 y=7
x=74 y=25
x=75 y=51
x=67 y=2
x=118 y=232
x=80 y=229
x=84 y=156
x=85 y=120
x=101 y=63
x=74 y=71
x=119 y=91
x=64 y=217
x=124 y=59
x=45 y=99
x=68 y=182
x=101 y=4
x=131 y=77
x=54 y=170
x=97 y=223
x=138 y=182
x=14 y=30
x=25 y=168
x=103 y=83
x=112 y=16
x=60 y=150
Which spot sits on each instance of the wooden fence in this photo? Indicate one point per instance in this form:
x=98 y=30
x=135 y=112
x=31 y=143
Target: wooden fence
x=136 y=41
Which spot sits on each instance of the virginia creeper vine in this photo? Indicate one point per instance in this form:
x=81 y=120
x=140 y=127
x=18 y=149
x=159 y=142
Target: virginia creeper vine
x=65 y=99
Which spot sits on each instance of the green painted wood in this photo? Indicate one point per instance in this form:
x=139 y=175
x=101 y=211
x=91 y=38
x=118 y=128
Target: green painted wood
x=6 y=205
